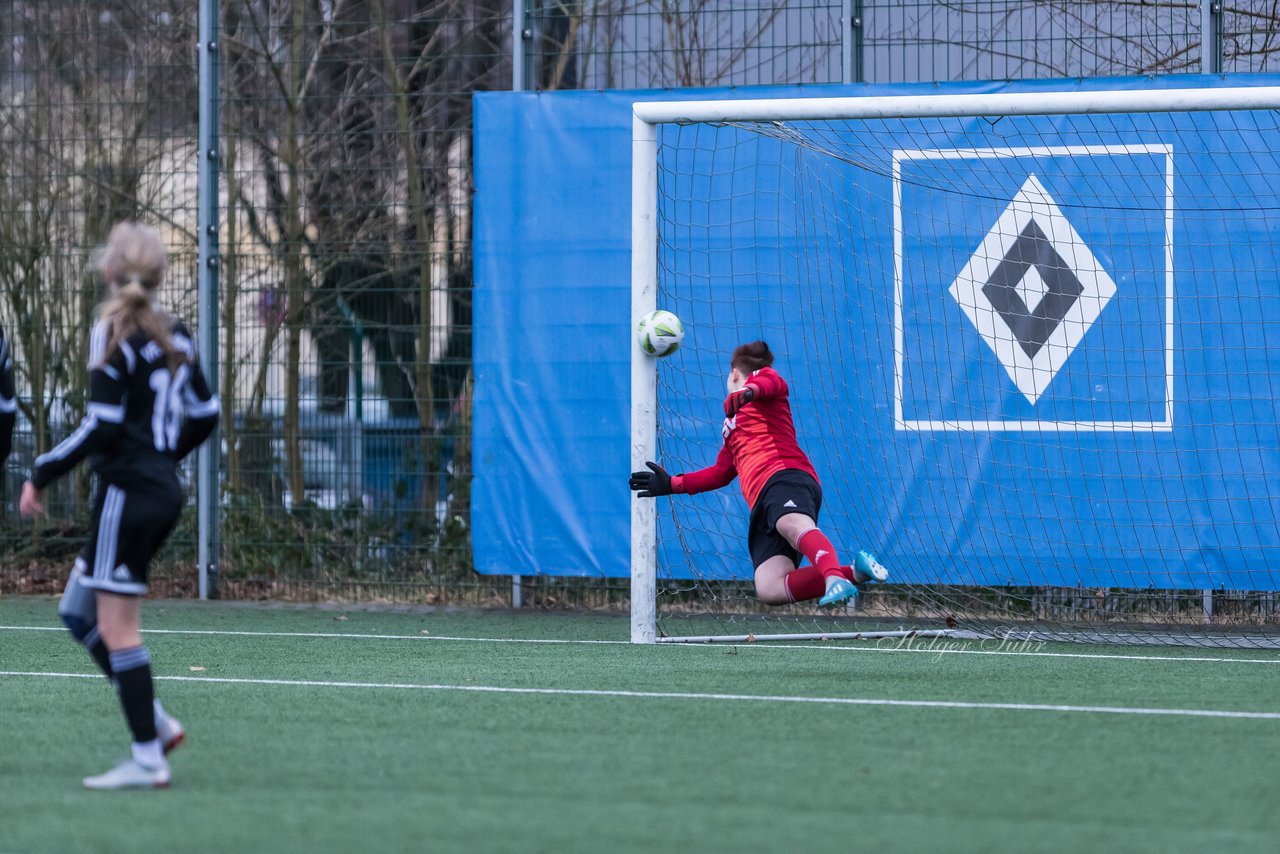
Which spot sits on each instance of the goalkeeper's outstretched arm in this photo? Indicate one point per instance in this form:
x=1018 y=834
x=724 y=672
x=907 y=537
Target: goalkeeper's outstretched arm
x=656 y=481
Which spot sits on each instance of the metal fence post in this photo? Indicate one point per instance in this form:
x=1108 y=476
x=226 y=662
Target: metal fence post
x=517 y=46
x=851 y=42
x=1211 y=37
x=1210 y=63
x=521 y=41
x=207 y=477
x=520 y=37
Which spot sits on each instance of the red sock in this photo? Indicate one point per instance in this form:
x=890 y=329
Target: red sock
x=805 y=583
x=818 y=549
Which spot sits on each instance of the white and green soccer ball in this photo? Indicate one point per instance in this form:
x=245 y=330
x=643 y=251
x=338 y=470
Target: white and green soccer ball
x=659 y=333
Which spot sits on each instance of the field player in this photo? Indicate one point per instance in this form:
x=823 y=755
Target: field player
x=149 y=406
x=779 y=484
x=8 y=398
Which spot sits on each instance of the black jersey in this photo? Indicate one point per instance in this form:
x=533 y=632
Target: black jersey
x=143 y=417
x=8 y=398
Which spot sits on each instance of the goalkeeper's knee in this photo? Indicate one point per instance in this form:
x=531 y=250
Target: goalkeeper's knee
x=78 y=607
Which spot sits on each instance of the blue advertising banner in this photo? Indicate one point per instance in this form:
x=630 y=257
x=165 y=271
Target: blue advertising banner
x=1065 y=374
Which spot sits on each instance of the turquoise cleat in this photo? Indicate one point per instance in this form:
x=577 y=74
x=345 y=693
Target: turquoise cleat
x=838 y=590
x=867 y=568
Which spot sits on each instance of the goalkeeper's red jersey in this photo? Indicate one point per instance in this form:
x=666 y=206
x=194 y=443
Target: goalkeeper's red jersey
x=759 y=442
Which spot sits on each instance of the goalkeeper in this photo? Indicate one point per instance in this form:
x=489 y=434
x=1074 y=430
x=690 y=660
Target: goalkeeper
x=779 y=484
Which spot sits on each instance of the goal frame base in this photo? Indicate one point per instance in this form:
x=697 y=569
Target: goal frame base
x=955 y=634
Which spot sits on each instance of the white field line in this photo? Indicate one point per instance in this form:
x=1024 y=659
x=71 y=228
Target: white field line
x=923 y=646
x=347 y=635
x=686 y=695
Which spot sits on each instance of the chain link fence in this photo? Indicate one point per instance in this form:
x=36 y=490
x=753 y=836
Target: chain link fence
x=346 y=290
x=345 y=303
x=622 y=44
x=637 y=45
x=97 y=124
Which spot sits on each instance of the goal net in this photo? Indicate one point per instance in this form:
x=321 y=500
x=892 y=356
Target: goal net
x=1033 y=350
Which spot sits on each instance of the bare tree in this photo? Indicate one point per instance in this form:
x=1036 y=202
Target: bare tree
x=1016 y=40
x=83 y=132
x=645 y=43
x=352 y=124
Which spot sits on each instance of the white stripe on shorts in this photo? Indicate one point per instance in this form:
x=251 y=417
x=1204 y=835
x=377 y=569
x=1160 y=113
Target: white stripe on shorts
x=108 y=534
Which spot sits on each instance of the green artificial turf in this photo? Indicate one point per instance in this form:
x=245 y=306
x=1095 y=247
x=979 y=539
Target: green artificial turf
x=291 y=767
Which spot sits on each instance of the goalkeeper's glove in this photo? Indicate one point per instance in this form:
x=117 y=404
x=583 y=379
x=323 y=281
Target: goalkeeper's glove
x=651 y=484
x=738 y=399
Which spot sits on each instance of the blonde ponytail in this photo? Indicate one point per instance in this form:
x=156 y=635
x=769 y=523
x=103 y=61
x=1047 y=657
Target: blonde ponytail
x=134 y=261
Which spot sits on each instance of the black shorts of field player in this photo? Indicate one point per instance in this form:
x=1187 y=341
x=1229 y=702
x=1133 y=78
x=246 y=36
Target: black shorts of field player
x=788 y=491
x=128 y=529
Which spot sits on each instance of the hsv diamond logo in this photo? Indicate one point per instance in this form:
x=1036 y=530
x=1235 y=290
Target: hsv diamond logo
x=1032 y=289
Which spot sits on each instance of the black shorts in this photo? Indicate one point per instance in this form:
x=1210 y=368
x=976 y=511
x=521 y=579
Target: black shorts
x=788 y=491
x=128 y=529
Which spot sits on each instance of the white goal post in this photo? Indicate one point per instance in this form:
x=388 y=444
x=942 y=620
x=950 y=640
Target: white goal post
x=650 y=115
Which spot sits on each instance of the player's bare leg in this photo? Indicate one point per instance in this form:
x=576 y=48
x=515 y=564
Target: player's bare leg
x=120 y=620
x=120 y=623
x=79 y=610
x=771 y=581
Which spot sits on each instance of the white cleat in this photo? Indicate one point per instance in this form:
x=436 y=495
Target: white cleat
x=130 y=775
x=170 y=732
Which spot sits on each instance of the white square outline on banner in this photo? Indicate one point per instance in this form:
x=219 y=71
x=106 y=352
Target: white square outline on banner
x=998 y=425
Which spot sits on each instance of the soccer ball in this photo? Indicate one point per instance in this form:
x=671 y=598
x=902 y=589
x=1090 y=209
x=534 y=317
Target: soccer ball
x=659 y=333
